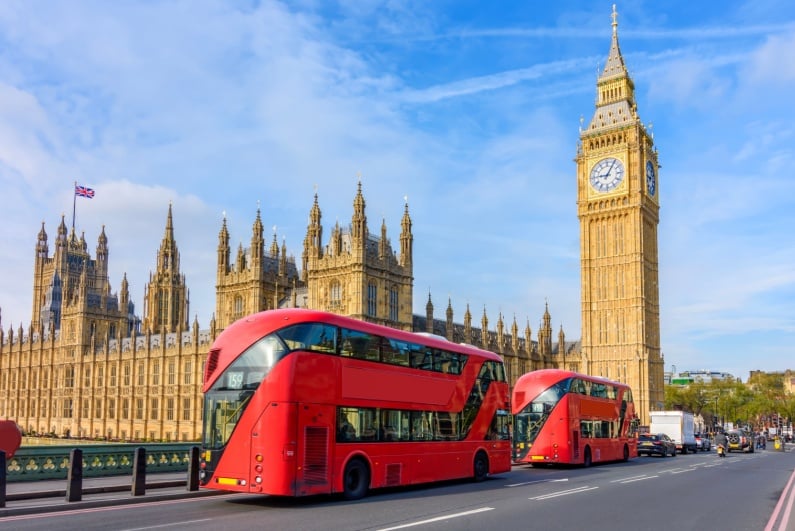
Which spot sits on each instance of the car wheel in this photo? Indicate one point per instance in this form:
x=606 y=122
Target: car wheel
x=673 y=453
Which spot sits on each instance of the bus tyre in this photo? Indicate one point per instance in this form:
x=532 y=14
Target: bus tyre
x=356 y=480
x=480 y=466
x=586 y=461
x=626 y=453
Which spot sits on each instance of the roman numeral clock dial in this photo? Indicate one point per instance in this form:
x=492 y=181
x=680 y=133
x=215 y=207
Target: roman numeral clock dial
x=607 y=174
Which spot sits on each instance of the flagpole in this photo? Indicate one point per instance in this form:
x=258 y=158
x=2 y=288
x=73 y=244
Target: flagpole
x=74 y=204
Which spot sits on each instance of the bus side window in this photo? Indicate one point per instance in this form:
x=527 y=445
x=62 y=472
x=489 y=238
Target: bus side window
x=394 y=352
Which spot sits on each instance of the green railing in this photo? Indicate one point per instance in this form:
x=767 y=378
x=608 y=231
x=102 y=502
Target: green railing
x=52 y=462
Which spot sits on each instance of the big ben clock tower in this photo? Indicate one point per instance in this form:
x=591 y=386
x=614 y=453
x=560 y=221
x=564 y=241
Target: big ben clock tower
x=617 y=204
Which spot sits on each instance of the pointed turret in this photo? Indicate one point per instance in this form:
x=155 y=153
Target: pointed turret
x=166 y=296
x=42 y=250
x=102 y=253
x=484 y=330
x=223 y=250
x=468 y=325
x=449 y=317
x=382 y=244
x=359 y=219
x=257 y=241
x=429 y=315
x=615 y=94
x=406 y=238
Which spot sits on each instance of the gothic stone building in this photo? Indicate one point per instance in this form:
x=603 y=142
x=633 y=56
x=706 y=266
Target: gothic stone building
x=88 y=366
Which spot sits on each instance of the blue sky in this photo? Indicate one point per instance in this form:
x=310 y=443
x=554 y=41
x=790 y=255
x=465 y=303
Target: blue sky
x=470 y=109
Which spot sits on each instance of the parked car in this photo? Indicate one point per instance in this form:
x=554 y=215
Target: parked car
x=656 y=444
x=740 y=441
x=703 y=442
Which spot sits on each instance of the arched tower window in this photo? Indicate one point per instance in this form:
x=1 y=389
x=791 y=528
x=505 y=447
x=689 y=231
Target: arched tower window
x=372 y=299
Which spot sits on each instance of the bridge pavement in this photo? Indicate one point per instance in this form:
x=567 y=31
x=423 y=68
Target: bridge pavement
x=31 y=497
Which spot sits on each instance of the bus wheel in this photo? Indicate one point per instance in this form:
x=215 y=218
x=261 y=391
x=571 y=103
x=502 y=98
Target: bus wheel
x=626 y=453
x=481 y=466
x=356 y=480
x=586 y=461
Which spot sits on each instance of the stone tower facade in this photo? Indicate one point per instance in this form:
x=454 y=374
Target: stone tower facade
x=83 y=368
x=166 y=302
x=358 y=274
x=257 y=280
x=617 y=204
x=71 y=291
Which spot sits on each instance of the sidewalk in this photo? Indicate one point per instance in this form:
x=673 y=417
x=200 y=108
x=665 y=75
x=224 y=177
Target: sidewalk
x=29 y=497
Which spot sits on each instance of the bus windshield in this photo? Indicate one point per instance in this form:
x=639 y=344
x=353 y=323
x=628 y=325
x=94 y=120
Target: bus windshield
x=226 y=400
x=531 y=419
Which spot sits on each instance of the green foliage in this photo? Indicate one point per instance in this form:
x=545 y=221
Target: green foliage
x=732 y=401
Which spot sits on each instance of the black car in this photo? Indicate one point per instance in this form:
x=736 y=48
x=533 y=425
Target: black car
x=656 y=443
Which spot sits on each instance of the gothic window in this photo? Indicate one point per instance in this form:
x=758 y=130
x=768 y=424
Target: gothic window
x=67 y=408
x=372 y=299
x=172 y=377
x=188 y=370
x=155 y=372
x=155 y=409
x=186 y=409
x=141 y=375
x=238 y=311
x=393 y=305
x=100 y=376
x=162 y=309
x=111 y=408
x=87 y=378
x=126 y=371
x=139 y=408
x=170 y=409
x=69 y=377
x=113 y=376
x=125 y=408
x=98 y=408
x=335 y=298
x=86 y=407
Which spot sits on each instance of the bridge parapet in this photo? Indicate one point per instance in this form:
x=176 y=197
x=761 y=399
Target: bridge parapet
x=52 y=462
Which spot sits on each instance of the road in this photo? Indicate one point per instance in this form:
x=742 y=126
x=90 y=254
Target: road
x=697 y=491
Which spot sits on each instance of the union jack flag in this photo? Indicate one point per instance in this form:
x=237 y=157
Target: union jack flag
x=84 y=191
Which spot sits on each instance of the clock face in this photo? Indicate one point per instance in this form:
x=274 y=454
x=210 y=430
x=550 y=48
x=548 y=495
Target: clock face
x=607 y=174
x=651 y=179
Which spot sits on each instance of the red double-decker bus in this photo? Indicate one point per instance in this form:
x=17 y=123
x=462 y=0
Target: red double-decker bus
x=300 y=402
x=562 y=417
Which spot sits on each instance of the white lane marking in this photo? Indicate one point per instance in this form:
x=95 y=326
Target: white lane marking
x=161 y=526
x=622 y=480
x=562 y=493
x=438 y=519
x=638 y=479
x=537 y=481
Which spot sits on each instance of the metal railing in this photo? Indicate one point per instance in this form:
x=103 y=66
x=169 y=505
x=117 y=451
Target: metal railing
x=52 y=462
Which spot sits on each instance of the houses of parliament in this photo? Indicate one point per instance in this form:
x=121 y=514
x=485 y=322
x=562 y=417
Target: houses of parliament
x=89 y=366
